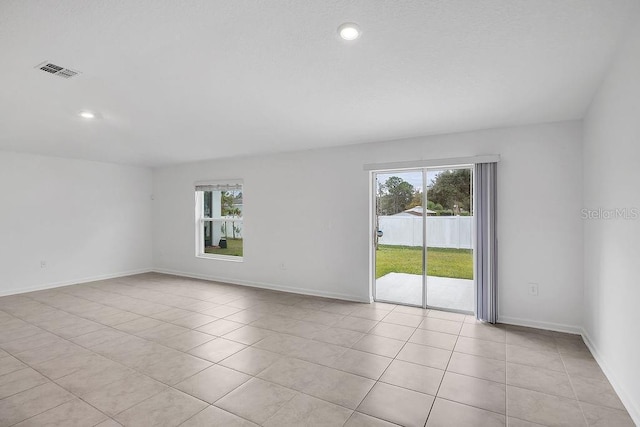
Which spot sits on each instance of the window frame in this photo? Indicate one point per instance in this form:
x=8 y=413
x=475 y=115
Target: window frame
x=200 y=219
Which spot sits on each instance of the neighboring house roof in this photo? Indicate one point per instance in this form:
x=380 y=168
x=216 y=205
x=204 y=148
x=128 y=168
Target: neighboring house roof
x=415 y=211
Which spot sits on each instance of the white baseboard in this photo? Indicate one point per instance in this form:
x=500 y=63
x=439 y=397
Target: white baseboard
x=263 y=285
x=549 y=326
x=72 y=282
x=632 y=406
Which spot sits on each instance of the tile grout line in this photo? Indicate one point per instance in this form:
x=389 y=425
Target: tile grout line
x=57 y=406
x=266 y=301
x=215 y=363
x=385 y=370
x=446 y=369
x=141 y=373
x=584 y=416
x=80 y=398
x=280 y=385
x=256 y=377
x=114 y=361
x=52 y=381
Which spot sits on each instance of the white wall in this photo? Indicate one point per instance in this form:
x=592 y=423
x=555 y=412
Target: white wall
x=322 y=198
x=86 y=220
x=612 y=247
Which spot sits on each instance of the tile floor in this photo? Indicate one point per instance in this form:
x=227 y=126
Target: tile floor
x=158 y=350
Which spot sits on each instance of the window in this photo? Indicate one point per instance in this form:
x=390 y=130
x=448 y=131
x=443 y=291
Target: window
x=219 y=222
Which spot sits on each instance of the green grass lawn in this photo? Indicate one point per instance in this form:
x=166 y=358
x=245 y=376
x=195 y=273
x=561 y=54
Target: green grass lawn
x=234 y=248
x=442 y=262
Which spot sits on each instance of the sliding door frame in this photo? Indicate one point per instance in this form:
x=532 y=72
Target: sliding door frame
x=374 y=222
x=374 y=227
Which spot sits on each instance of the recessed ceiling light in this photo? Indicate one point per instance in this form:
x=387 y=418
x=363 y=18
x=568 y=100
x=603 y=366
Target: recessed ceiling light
x=87 y=115
x=349 y=31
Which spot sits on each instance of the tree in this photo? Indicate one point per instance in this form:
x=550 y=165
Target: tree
x=434 y=206
x=227 y=203
x=394 y=196
x=452 y=190
x=228 y=208
x=416 y=200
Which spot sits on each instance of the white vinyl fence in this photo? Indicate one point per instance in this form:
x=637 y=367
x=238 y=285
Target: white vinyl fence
x=442 y=231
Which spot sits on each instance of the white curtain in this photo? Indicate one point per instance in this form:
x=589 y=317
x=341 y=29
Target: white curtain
x=486 y=262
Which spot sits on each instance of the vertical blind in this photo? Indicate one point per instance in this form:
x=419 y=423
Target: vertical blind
x=486 y=256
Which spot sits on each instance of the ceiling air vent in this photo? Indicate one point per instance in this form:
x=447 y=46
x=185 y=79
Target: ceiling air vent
x=57 y=70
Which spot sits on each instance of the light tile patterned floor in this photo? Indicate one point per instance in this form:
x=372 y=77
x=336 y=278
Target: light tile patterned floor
x=158 y=350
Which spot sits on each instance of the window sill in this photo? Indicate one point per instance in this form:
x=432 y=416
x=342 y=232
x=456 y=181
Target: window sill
x=221 y=257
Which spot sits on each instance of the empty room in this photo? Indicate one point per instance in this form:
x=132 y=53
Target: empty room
x=319 y=213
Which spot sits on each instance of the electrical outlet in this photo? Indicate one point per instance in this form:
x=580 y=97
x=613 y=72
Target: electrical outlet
x=533 y=289
x=43 y=264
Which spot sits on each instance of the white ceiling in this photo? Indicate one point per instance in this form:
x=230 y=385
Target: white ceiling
x=178 y=81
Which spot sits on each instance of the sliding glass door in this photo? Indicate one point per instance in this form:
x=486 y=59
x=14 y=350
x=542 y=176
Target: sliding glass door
x=449 y=242
x=423 y=244
x=399 y=249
